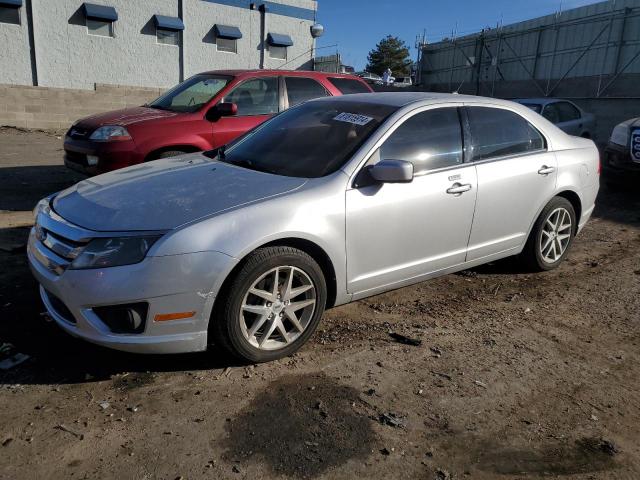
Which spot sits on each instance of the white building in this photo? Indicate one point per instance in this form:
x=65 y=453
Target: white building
x=151 y=43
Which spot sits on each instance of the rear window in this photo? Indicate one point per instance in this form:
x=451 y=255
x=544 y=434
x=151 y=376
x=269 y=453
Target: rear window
x=348 y=86
x=311 y=140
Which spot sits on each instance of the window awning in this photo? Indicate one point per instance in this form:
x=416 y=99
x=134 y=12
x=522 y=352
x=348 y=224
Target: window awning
x=279 y=40
x=224 y=31
x=168 y=23
x=11 y=3
x=100 y=12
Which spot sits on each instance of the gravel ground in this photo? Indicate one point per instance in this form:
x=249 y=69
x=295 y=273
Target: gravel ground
x=517 y=376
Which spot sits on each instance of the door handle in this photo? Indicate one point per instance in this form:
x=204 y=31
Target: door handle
x=458 y=188
x=544 y=170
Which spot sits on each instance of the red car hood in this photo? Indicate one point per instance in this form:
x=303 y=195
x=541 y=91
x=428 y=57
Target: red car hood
x=124 y=117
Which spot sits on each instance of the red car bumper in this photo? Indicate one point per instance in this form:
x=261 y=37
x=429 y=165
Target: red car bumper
x=78 y=155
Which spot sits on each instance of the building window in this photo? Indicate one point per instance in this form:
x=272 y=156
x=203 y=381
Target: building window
x=168 y=29
x=229 y=45
x=227 y=38
x=278 y=44
x=10 y=15
x=277 y=52
x=100 y=28
x=167 y=37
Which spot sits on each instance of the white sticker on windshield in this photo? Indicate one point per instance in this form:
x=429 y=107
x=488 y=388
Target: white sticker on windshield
x=353 y=118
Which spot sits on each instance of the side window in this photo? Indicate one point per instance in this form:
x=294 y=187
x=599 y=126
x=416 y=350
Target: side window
x=300 y=89
x=258 y=96
x=347 y=86
x=551 y=113
x=567 y=112
x=496 y=132
x=429 y=140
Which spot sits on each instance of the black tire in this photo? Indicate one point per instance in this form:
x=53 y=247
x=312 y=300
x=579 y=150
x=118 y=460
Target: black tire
x=168 y=154
x=224 y=325
x=531 y=255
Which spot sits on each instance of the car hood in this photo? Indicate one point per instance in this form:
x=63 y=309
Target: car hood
x=124 y=117
x=165 y=194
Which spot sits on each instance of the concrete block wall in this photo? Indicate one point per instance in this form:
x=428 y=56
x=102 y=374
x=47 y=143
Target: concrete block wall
x=57 y=108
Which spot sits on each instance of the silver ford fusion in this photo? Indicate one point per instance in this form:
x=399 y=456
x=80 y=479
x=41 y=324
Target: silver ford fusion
x=329 y=202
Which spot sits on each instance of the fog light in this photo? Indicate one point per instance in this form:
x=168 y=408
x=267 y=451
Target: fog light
x=92 y=160
x=129 y=318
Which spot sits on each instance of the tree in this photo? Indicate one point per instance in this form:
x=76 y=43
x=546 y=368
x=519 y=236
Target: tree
x=390 y=52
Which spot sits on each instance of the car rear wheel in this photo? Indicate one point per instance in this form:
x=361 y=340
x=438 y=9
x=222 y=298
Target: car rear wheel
x=551 y=236
x=272 y=305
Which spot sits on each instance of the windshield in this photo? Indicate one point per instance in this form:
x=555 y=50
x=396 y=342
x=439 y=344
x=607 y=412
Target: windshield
x=536 y=107
x=192 y=94
x=311 y=140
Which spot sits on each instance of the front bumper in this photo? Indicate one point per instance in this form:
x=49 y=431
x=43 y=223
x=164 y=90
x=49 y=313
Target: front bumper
x=617 y=159
x=169 y=284
x=111 y=155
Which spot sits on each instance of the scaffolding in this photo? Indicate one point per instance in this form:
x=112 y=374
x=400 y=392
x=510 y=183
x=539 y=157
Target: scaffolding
x=587 y=52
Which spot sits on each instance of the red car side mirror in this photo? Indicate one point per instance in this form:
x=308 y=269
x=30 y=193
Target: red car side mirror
x=224 y=109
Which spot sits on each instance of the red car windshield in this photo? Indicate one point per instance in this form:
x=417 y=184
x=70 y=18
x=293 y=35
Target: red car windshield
x=192 y=94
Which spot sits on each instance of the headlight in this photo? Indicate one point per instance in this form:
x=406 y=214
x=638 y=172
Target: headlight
x=113 y=252
x=41 y=206
x=620 y=135
x=110 y=133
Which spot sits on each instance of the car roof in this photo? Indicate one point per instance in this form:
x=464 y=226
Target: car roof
x=402 y=99
x=262 y=73
x=541 y=100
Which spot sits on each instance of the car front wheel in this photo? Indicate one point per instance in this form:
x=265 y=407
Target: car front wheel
x=551 y=236
x=271 y=306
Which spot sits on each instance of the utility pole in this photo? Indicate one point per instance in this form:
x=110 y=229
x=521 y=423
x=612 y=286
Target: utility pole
x=420 y=44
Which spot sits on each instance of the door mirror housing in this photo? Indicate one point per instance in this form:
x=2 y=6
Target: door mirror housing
x=223 y=109
x=392 y=171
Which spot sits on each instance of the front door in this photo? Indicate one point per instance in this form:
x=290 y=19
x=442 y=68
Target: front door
x=257 y=100
x=396 y=233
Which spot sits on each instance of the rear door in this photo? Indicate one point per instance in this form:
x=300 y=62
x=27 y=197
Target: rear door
x=257 y=100
x=516 y=176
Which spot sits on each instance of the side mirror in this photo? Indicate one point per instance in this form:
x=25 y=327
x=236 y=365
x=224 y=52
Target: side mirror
x=392 y=171
x=224 y=109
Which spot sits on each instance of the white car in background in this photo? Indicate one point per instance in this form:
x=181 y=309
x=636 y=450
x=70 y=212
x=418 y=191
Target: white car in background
x=402 y=82
x=565 y=115
x=622 y=153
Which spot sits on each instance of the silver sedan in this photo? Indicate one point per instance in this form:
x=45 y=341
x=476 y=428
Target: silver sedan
x=565 y=115
x=329 y=202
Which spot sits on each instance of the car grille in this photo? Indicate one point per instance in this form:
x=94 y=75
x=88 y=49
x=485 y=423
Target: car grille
x=63 y=248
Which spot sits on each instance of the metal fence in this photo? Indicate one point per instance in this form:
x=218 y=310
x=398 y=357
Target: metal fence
x=587 y=52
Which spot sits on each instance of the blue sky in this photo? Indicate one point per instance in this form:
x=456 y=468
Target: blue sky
x=357 y=25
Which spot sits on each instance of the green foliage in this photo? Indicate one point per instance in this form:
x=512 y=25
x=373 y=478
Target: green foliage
x=390 y=52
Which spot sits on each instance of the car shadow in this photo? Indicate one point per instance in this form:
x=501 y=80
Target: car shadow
x=22 y=187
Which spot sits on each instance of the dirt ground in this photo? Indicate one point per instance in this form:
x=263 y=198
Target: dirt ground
x=518 y=375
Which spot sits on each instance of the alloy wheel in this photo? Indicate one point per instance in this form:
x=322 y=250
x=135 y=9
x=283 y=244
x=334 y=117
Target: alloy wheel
x=277 y=308
x=556 y=235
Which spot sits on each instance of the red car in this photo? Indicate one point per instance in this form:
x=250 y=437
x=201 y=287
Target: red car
x=204 y=112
